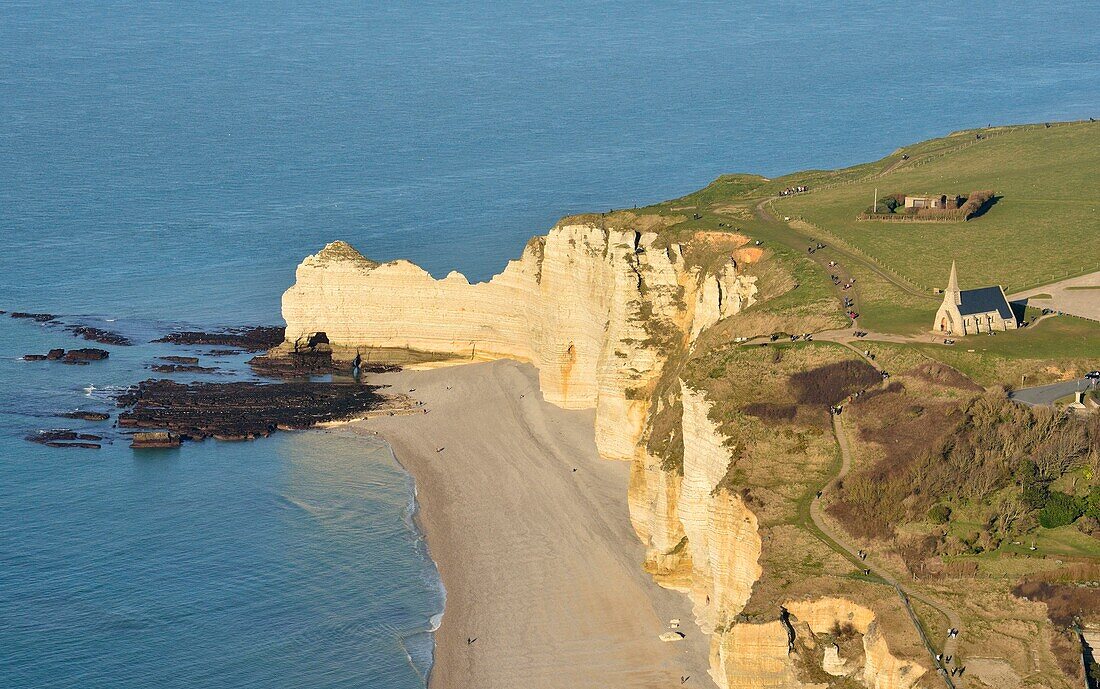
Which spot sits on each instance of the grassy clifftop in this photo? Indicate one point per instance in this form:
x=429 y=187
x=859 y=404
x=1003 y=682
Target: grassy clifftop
x=943 y=485
x=1044 y=225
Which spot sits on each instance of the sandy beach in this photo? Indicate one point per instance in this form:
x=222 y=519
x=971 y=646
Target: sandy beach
x=532 y=538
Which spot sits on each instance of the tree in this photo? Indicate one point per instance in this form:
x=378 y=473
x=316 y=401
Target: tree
x=1061 y=509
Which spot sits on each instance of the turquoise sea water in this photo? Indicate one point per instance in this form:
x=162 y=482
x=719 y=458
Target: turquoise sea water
x=166 y=163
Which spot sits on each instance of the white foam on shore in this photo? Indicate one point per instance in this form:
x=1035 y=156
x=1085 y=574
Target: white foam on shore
x=412 y=508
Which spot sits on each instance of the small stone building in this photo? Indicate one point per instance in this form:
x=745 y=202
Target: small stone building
x=971 y=311
x=938 y=201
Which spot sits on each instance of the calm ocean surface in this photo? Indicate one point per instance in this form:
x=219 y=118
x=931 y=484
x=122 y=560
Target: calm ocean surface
x=166 y=163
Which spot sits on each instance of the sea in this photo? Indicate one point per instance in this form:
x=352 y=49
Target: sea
x=165 y=165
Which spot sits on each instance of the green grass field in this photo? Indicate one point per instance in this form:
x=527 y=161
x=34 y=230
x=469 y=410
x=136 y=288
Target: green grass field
x=1044 y=226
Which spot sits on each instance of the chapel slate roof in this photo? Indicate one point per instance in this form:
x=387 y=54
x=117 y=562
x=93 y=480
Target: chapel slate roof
x=984 y=300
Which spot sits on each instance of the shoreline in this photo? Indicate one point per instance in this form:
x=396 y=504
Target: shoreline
x=530 y=534
x=412 y=517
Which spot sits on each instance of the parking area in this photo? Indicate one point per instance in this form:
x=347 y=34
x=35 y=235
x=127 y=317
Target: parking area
x=1078 y=296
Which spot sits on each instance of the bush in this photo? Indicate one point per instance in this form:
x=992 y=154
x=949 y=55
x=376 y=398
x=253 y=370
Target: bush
x=939 y=514
x=1061 y=509
x=887 y=205
x=1036 y=494
x=1092 y=507
x=975 y=202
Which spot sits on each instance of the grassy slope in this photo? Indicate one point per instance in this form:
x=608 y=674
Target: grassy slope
x=1048 y=215
x=1045 y=226
x=784 y=466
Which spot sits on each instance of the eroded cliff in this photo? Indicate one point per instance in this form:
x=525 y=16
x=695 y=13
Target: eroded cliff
x=606 y=315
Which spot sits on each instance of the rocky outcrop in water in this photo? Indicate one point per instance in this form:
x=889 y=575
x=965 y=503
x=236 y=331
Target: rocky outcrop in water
x=245 y=411
x=252 y=339
x=85 y=415
x=72 y=356
x=99 y=335
x=37 y=317
x=63 y=437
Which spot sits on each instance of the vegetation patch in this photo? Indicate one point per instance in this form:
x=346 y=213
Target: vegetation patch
x=1006 y=466
x=832 y=383
x=1064 y=601
x=948 y=208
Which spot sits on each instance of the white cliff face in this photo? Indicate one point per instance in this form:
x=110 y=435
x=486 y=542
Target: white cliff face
x=753 y=656
x=721 y=296
x=599 y=312
x=587 y=306
x=722 y=533
x=881 y=669
x=706 y=543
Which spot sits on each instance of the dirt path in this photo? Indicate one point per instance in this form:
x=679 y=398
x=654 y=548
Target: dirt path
x=801 y=239
x=840 y=538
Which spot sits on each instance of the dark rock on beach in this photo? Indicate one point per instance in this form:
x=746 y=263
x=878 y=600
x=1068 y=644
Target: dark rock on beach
x=55 y=354
x=252 y=339
x=245 y=410
x=99 y=335
x=39 y=317
x=309 y=363
x=85 y=415
x=63 y=437
x=224 y=352
x=34 y=357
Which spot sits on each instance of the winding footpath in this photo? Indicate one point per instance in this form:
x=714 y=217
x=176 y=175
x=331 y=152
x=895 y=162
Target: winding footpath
x=797 y=239
x=837 y=536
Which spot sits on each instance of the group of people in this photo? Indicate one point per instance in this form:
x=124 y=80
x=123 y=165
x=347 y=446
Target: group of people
x=793 y=190
x=955 y=671
x=836 y=409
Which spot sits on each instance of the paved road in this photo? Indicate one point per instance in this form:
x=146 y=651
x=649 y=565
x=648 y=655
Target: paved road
x=1047 y=394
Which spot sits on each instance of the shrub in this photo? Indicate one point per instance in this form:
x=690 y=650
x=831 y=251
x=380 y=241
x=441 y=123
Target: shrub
x=1092 y=506
x=1064 y=601
x=1035 y=494
x=975 y=202
x=887 y=205
x=939 y=514
x=1061 y=509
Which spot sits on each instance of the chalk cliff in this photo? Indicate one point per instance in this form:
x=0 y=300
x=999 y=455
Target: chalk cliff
x=594 y=310
x=600 y=312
